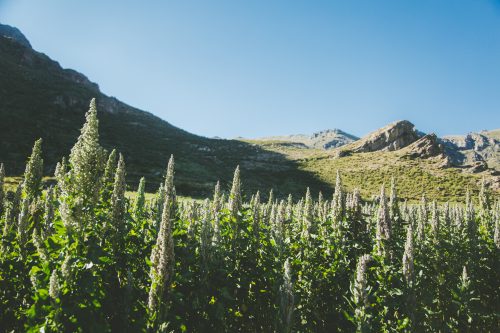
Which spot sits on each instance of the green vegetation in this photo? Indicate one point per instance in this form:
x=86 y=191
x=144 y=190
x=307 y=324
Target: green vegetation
x=369 y=171
x=82 y=256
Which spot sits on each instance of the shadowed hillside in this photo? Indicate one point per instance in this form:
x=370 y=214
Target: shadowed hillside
x=39 y=99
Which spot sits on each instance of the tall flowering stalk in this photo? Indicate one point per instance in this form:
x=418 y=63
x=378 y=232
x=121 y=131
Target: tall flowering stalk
x=308 y=216
x=422 y=218
x=435 y=223
x=235 y=195
x=270 y=200
x=193 y=215
x=235 y=203
x=393 y=201
x=118 y=206
x=496 y=233
x=470 y=213
x=159 y=204
x=360 y=295
x=287 y=300
x=278 y=226
x=383 y=228
x=49 y=211
x=109 y=176
x=162 y=256
x=409 y=274
x=169 y=178
x=206 y=236
x=54 y=286
x=484 y=199
x=355 y=203
x=34 y=172
x=338 y=200
x=2 y=180
x=80 y=186
x=140 y=201
x=110 y=168
x=216 y=206
x=87 y=160
x=446 y=215
x=162 y=265
x=256 y=216
x=23 y=226
x=38 y=241
x=8 y=223
x=60 y=175
x=464 y=299
x=289 y=208
x=408 y=258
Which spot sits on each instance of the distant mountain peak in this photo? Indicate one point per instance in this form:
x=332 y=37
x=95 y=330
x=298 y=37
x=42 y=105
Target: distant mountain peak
x=326 y=139
x=14 y=34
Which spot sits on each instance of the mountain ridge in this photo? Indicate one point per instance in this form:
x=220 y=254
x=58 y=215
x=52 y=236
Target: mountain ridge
x=40 y=99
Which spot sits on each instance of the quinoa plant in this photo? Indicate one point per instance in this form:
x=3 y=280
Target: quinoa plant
x=81 y=255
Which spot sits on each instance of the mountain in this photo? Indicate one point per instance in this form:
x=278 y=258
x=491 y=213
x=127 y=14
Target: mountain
x=40 y=99
x=327 y=139
x=421 y=163
x=475 y=149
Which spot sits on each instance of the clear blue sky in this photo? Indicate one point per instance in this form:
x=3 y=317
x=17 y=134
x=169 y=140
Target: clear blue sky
x=258 y=68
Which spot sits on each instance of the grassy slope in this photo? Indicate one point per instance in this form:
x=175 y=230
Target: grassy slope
x=368 y=171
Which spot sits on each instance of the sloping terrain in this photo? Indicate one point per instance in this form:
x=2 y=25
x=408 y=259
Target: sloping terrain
x=414 y=175
x=421 y=163
x=39 y=99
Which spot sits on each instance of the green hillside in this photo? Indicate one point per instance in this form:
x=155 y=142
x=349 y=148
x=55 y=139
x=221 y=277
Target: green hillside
x=39 y=99
x=368 y=171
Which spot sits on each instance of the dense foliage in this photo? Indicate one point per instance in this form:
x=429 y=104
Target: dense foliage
x=81 y=256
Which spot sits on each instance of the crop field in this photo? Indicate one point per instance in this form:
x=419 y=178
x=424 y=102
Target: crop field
x=84 y=253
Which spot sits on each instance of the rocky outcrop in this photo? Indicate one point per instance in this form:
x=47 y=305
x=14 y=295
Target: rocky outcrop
x=468 y=150
x=477 y=167
x=471 y=141
x=392 y=137
x=425 y=147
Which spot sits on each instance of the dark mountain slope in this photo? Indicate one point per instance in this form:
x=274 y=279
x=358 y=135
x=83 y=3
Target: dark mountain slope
x=39 y=99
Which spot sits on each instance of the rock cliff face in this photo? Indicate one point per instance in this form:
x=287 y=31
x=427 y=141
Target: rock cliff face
x=392 y=137
x=474 y=149
x=425 y=147
x=474 y=141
